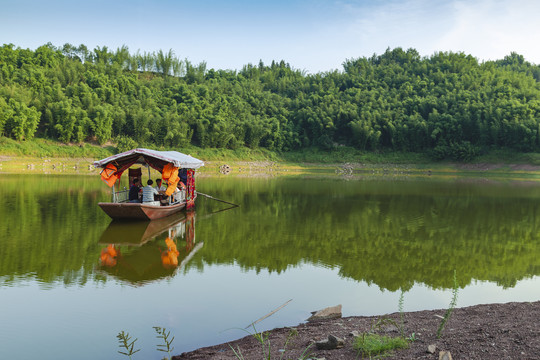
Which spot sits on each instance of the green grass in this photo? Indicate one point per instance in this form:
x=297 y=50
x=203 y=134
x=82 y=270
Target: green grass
x=44 y=148
x=508 y=157
x=369 y=344
x=53 y=149
x=240 y=154
x=344 y=154
x=49 y=148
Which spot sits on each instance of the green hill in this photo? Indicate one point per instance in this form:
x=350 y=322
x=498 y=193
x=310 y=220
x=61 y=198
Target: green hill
x=446 y=106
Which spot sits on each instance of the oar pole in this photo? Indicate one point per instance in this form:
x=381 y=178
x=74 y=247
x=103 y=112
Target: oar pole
x=213 y=198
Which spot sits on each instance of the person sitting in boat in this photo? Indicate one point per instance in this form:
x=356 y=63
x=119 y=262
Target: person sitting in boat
x=181 y=186
x=182 y=174
x=134 y=191
x=159 y=187
x=148 y=192
x=179 y=193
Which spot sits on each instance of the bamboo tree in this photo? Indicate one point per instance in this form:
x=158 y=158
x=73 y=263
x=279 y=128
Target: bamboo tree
x=164 y=62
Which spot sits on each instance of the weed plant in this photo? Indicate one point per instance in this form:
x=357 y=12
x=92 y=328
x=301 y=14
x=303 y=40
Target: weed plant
x=451 y=307
x=125 y=342
x=263 y=338
x=165 y=335
x=401 y=315
x=371 y=344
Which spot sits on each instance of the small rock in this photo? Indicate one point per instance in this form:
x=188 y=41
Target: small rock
x=225 y=169
x=332 y=312
x=333 y=342
x=431 y=349
x=445 y=355
x=355 y=333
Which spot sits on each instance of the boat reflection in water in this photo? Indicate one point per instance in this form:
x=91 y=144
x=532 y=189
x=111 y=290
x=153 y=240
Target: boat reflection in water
x=140 y=252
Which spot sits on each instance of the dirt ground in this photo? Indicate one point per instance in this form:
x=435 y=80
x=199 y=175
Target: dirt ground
x=494 y=331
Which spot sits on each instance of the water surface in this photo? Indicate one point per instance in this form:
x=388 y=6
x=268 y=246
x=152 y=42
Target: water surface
x=317 y=240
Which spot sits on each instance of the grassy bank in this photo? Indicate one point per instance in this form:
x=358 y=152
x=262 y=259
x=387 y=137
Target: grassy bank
x=42 y=148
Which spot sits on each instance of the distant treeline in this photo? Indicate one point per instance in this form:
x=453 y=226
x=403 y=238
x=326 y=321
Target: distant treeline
x=448 y=105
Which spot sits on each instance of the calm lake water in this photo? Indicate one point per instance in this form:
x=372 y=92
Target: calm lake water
x=320 y=241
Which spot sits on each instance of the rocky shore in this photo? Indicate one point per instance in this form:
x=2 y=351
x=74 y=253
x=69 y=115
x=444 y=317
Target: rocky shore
x=493 y=331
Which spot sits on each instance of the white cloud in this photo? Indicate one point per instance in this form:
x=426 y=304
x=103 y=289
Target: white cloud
x=491 y=30
x=486 y=29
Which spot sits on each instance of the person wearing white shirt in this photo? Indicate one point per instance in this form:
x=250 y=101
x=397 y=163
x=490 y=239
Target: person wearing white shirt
x=148 y=192
x=160 y=187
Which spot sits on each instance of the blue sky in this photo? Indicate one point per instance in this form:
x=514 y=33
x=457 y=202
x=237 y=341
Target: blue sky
x=314 y=36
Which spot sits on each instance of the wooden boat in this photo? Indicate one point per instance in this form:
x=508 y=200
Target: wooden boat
x=168 y=163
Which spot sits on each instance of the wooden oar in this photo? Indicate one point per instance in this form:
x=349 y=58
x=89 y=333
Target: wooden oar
x=213 y=198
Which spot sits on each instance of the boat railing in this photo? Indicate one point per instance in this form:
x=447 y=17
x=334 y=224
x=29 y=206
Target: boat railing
x=120 y=196
x=123 y=196
x=179 y=196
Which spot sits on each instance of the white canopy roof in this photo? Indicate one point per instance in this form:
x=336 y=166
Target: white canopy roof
x=152 y=157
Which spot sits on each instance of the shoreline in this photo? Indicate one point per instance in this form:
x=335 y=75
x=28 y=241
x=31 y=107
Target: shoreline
x=83 y=166
x=485 y=331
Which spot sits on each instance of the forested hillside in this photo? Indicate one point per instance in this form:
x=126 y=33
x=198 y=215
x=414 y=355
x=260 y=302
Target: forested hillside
x=448 y=105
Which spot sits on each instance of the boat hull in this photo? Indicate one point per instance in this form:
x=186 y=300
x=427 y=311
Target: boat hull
x=139 y=211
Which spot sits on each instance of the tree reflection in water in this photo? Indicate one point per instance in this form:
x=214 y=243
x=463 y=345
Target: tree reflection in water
x=388 y=232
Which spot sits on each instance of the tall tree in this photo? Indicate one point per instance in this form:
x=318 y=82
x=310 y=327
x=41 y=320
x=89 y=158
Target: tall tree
x=164 y=62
